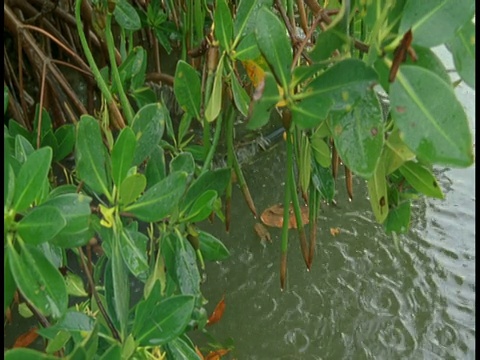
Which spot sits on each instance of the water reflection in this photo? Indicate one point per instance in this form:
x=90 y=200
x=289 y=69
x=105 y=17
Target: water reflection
x=363 y=299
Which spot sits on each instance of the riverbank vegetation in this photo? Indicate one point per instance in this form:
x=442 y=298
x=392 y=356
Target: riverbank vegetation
x=115 y=111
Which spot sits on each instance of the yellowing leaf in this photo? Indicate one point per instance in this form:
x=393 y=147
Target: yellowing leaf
x=256 y=73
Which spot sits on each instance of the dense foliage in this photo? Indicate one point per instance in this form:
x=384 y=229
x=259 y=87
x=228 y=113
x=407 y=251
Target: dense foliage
x=354 y=83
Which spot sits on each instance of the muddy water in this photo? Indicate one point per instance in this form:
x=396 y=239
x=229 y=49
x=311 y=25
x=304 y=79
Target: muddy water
x=363 y=298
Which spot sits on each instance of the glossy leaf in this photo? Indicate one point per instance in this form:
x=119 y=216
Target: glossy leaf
x=223 y=24
x=8 y=184
x=186 y=269
x=264 y=99
x=58 y=342
x=30 y=179
x=344 y=81
x=166 y=320
x=187 y=88
x=158 y=201
x=122 y=155
x=398 y=219
x=396 y=152
x=41 y=224
x=23 y=148
x=321 y=151
x=274 y=44
x=432 y=123
x=434 y=22
x=155 y=170
x=179 y=349
x=90 y=157
x=202 y=207
x=421 y=179
x=27 y=354
x=245 y=18
x=113 y=352
x=38 y=280
x=120 y=292
x=131 y=188
x=210 y=180
x=247 y=48
x=214 y=103
x=323 y=181
x=126 y=16
x=75 y=286
x=462 y=47
x=65 y=136
x=377 y=192
x=148 y=125
x=73 y=322
x=212 y=248
x=133 y=246
x=240 y=96
x=358 y=134
x=75 y=208
x=183 y=162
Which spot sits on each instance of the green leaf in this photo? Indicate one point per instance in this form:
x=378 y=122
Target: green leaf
x=160 y=199
x=433 y=22
x=120 y=284
x=274 y=44
x=183 y=162
x=73 y=322
x=396 y=152
x=38 y=280
x=246 y=15
x=398 y=219
x=26 y=354
x=187 y=88
x=41 y=224
x=377 y=191
x=133 y=246
x=311 y=111
x=343 y=83
x=421 y=179
x=215 y=101
x=131 y=188
x=462 y=47
x=23 y=148
x=247 y=49
x=210 y=180
x=58 y=342
x=65 y=136
x=329 y=41
x=202 y=207
x=30 y=180
x=74 y=284
x=126 y=15
x=186 y=269
x=320 y=149
x=167 y=320
x=223 y=24
x=113 y=352
x=264 y=99
x=212 y=248
x=432 y=123
x=148 y=125
x=240 y=96
x=8 y=183
x=122 y=155
x=155 y=170
x=90 y=157
x=75 y=208
x=322 y=180
x=358 y=134
x=178 y=349
x=9 y=285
